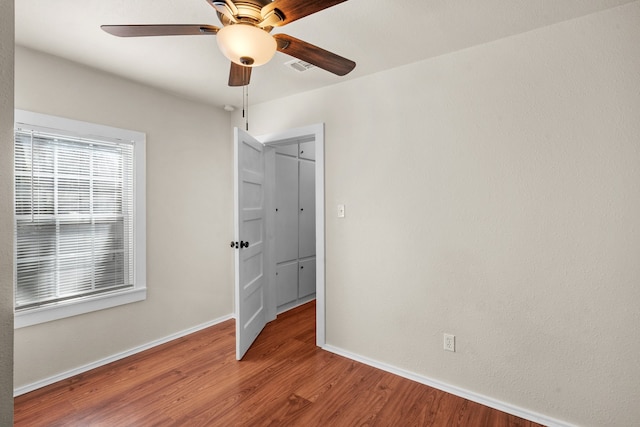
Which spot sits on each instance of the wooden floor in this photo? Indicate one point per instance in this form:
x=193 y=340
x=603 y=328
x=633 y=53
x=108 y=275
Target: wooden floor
x=285 y=380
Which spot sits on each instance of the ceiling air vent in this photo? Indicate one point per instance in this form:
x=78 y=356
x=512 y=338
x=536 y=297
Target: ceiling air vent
x=299 y=65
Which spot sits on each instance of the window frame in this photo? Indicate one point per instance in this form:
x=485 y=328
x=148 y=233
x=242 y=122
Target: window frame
x=86 y=304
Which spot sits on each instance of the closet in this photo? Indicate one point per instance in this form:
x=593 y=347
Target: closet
x=295 y=224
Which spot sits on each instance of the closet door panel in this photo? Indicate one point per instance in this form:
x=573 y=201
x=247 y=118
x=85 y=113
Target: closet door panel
x=307 y=217
x=307 y=278
x=290 y=150
x=286 y=208
x=307 y=150
x=286 y=283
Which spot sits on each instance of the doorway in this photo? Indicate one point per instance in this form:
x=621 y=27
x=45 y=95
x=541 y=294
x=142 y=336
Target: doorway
x=315 y=135
x=254 y=218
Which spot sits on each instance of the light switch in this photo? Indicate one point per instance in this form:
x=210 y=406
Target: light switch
x=340 y=211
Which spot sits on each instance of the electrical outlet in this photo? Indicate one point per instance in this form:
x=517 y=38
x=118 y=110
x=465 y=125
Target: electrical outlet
x=450 y=342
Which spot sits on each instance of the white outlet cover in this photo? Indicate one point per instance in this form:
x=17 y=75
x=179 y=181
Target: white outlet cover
x=450 y=342
x=340 y=211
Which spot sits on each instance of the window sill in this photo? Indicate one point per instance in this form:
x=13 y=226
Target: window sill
x=74 y=308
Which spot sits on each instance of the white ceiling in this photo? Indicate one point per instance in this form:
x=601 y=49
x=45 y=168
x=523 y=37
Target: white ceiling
x=376 y=34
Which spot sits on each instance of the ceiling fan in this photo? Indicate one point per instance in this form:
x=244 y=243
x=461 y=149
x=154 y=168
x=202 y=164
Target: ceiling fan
x=244 y=37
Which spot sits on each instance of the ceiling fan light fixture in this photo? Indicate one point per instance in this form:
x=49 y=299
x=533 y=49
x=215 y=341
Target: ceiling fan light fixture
x=246 y=45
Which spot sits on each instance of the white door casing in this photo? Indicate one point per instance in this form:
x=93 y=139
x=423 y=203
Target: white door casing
x=249 y=218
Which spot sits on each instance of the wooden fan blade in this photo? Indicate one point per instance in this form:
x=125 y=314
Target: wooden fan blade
x=314 y=55
x=296 y=9
x=239 y=75
x=159 y=30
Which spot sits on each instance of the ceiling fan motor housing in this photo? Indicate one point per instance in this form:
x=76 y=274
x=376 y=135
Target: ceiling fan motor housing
x=248 y=12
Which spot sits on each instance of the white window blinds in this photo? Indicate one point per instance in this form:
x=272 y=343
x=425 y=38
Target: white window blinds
x=74 y=202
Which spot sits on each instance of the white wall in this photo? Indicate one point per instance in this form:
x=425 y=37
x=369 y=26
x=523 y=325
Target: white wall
x=492 y=193
x=189 y=214
x=6 y=210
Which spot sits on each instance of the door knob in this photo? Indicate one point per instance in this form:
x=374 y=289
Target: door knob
x=244 y=244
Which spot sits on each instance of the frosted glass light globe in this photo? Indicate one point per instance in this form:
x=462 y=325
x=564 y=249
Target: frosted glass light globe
x=246 y=45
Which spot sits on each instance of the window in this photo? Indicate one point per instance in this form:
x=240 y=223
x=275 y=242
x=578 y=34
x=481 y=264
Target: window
x=79 y=217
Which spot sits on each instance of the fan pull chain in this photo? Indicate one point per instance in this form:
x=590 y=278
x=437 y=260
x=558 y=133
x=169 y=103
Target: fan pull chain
x=247 y=115
x=245 y=100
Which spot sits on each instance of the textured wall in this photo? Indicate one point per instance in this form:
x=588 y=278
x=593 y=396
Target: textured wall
x=6 y=213
x=492 y=193
x=189 y=214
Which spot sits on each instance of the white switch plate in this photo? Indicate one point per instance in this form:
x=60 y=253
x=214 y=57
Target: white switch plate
x=340 y=211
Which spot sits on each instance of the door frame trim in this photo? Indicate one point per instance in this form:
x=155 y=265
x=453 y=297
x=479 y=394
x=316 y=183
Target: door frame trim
x=280 y=138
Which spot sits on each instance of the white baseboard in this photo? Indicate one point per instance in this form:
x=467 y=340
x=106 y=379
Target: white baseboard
x=64 y=375
x=465 y=394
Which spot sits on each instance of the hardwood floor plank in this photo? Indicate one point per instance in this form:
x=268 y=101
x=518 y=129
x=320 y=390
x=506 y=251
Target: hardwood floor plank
x=322 y=374
x=410 y=403
x=284 y=380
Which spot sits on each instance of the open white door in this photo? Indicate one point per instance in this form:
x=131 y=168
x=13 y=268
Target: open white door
x=249 y=240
